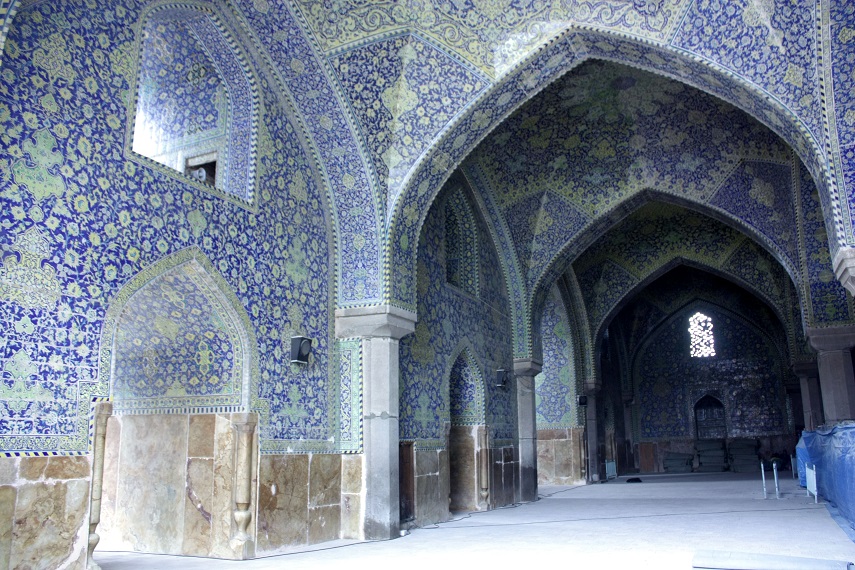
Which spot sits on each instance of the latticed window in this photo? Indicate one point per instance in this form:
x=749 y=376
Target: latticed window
x=702 y=342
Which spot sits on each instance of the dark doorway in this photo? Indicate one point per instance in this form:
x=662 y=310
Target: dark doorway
x=709 y=418
x=407 y=481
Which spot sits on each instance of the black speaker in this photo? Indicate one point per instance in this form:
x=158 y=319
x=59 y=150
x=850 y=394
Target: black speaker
x=301 y=347
x=582 y=400
x=501 y=377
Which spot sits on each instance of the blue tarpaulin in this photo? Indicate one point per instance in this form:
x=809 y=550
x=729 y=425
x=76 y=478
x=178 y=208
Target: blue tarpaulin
x=833 y=453
x=801 y=459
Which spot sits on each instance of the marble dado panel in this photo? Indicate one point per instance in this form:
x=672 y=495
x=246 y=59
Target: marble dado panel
x=432 y=471
x=449 y=480
x=307 y=499
x=44 y=508
x=168 y=485
x=561 y=456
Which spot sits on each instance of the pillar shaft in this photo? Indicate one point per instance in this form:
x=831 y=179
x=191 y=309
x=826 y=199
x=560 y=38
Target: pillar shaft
x=838 y=385
x=103 y=411
x=381 y=328
x=808 y=375
x=242 y=540
x=836 y=374
x=525 y=370
x=592 y=437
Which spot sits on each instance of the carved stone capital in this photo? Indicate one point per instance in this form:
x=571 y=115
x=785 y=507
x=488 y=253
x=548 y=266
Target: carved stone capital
x=385 y=321
x=831 y=338
x=527 y=367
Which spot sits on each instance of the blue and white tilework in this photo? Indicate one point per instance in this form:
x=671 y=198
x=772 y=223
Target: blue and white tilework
x=450 y=318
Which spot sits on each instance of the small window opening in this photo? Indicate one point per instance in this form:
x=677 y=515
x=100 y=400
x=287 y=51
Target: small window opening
x=202 y=168
x=702 y=342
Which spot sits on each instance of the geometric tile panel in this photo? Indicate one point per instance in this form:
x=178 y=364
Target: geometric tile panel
x=759 y=193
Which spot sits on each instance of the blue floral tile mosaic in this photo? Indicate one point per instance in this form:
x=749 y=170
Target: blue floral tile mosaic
x=450 y=321
x=773 y=45
x=556 y=386
x=403 y=90
x=80 y=221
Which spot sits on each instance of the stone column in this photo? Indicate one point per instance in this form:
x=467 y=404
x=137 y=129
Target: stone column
x=592 y=437
x=381 y=328
x=244 y=426
x=103 y=411
x=836 y=375
x=808 y=375
x=525 y=369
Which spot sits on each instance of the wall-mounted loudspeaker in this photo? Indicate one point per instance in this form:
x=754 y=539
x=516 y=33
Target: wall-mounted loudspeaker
x=501 y=378
x=582 y=400
x=301 y=347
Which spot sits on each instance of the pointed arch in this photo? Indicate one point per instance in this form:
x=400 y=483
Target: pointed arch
x=574 y=46
x=465 y=381
x=180 y=340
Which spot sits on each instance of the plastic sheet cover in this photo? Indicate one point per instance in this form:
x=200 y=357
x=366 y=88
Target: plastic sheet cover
x=801 y=459
x=833 y=453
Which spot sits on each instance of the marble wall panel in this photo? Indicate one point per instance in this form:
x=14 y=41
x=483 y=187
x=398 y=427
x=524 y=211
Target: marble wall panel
x=167 y=486
x=110 y=480
x=444 y=474
x=463 y=468
x=351 y=496
x=324 y=480
x=283 y=499
x=197 y=517
x=324 y=523
x=8 y=495
x=222 y=510
x=151 y=484
x=560 y=457
x=431 y=503
x=49 y=528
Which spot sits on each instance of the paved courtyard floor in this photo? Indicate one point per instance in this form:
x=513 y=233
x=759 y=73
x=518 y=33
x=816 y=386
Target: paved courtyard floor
x=660 y=523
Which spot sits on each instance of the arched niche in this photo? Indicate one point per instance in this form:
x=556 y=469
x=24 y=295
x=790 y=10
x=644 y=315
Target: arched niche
x=467 y=437
x=196 y=107
x=177 y=340
x=181 y=449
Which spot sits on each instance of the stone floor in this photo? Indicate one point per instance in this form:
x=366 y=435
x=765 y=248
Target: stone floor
x=659 y=523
